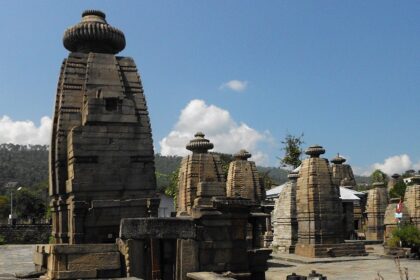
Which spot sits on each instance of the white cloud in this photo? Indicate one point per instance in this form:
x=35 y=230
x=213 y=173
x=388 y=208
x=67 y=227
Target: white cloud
x=235 y=85
x=394 y=164
x=25 y=132
x=217 y=124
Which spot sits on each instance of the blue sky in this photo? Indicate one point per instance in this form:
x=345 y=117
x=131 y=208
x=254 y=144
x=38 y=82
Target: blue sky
x=345 y=73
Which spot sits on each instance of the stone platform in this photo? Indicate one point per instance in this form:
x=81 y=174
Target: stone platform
x=64 y=261
x=330 y=250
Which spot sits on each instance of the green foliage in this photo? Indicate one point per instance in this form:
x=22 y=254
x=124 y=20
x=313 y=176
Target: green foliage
x=292 y=147
x=172 y=189
x=378 y=176
x=225 y=160
x=29 y=203
x=398 y=190
x=4 y=206
x=26 y=164
x=2 y=240
x=408 y=235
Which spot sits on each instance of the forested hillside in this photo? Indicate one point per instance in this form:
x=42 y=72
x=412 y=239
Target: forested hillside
x=28 y=165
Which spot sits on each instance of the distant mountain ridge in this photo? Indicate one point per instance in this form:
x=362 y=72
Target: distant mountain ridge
x=28 y=165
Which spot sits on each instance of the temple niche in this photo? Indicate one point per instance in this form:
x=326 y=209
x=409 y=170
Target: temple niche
x=377 y=202
x=319 y=211
x=412 y=200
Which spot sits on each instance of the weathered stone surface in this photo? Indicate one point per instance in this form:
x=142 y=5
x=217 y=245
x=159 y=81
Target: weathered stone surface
x=164 y=228
x=101 y=149
x=243 y=179
x=412 y=200
x=206 y=276
x=320 y=211
x=71 y=261
x=284 y=218
x=390 y=222
x=200 y=167
x=342 y=174
x=377 y=201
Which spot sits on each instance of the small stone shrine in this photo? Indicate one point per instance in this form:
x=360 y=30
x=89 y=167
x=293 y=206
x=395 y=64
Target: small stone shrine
x=209 y=233
x=392 y=181
x=319 y=211
x=377 y=202
x=342 y=174
x=284 y=218
x=200 y=176
x=243 y=179
x=412 y=200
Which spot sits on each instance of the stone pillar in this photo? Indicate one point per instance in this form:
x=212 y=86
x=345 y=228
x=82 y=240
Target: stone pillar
x=284 y=218
x=412 y=200
x=377 y=202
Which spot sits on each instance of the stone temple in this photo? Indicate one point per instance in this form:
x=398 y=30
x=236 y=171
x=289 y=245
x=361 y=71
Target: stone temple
x=102 y=159
x=319 y=211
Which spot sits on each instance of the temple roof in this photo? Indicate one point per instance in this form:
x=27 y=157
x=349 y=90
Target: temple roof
x=199 y=144
x=242 y=154
x=94 y=34
x=338 y=159
x=315 y=151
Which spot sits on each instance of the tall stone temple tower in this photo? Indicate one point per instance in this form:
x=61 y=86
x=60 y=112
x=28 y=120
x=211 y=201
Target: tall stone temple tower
x=101 y=160
x=320 y=211
x=243 y=179
x=200 y=176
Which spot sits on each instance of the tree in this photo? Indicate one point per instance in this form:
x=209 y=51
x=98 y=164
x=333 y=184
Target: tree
x=172 y=188
x=398 y=190
x=378 y=176
x=4 y=207
x=292 y=147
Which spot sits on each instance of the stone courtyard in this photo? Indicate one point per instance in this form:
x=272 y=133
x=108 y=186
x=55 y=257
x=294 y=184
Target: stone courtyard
x=18 y=259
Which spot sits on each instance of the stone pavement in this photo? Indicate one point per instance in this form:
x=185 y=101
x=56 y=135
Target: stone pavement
x=15 y=259
x=18 y=258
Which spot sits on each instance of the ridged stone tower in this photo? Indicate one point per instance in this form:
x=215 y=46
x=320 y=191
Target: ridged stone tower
x=377 y=202
x=243 y=179
x=319 y=210
x=342 y=173
x=285 y=224
x=101 y=160
x=412 y=200
x=200 y=177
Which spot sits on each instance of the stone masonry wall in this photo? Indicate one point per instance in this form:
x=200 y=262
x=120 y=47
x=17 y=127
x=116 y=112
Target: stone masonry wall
x=25 y=234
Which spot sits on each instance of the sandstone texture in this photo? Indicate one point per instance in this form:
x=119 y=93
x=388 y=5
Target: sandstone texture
x=101 y=159
x=377 y=202
x=243 y=179
x=412 y=200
